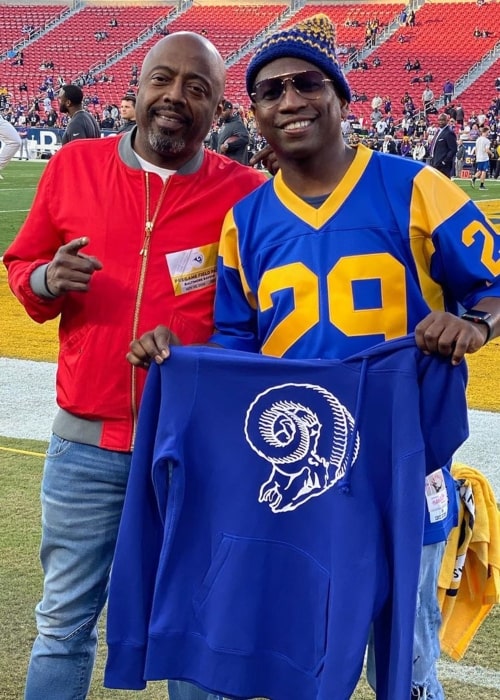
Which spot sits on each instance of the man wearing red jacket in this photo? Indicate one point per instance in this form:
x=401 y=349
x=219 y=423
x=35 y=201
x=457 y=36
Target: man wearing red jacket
x=122 y=235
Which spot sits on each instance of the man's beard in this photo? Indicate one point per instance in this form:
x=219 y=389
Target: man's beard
x=162 y=142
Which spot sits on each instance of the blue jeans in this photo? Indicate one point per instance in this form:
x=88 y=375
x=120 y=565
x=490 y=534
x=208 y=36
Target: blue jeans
x=83 y=490
x=178 y=690
x=426 y=647
x=23 y=149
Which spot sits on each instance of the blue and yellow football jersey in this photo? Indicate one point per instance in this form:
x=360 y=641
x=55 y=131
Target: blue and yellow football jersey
x=394 y=241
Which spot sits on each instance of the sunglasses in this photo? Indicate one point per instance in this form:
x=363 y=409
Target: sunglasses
x=309 y=84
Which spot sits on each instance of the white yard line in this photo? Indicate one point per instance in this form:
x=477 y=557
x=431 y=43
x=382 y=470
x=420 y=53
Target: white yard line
x=469 y=675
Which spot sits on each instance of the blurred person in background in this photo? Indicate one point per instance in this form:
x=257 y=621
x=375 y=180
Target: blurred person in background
x=23 y=149
x=127 y=113
x=233 y=136
x=82 y=125
x=10 y=140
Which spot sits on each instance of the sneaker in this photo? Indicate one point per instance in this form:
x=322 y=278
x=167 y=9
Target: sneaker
x=482 y=187
x=1 y=177
x=473 y=181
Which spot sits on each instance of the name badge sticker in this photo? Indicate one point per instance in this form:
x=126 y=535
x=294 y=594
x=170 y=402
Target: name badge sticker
x=436 y=496
x=192 y=269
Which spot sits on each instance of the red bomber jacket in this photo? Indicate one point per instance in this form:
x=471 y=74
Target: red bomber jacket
x=164 y=273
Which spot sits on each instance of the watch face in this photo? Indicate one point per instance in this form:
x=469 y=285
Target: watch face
x=482 y=317
x=474 y=315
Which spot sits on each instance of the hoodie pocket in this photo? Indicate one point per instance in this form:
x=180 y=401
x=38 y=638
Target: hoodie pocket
x=265 y=597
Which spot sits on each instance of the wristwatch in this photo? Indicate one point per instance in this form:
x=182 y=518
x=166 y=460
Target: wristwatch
x=475 y=316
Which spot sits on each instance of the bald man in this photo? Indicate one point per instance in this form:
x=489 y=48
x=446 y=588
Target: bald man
x=112 y=246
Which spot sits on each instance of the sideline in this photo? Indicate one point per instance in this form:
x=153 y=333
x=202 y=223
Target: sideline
x=473 y=675
x=22 y=452
x=13 y=211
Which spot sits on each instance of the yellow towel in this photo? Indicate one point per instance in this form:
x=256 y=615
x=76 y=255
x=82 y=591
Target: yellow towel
x=469 y=580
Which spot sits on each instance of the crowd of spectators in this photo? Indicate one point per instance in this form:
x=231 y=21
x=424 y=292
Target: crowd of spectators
x=405 y=127
x=41 y=112
x=409 y=132
x=372 y=28
x=481 y=33
x=406 y=130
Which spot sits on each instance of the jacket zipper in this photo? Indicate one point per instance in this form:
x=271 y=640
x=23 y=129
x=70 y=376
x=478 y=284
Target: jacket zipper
x=148 y=232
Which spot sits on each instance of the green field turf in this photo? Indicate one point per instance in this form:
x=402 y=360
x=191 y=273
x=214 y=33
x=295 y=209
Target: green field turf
x=17 y=190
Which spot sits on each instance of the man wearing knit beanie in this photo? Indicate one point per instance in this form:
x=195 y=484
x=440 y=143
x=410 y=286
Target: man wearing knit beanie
x=343 y=249
x=313 y=40
x=307 y=49
x=347 y=217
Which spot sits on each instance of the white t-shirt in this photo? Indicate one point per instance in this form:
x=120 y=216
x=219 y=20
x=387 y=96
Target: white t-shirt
x=164 y=173
x=482 y=148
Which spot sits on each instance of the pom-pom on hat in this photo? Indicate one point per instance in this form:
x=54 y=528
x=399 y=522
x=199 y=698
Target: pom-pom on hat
x=312 y=40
